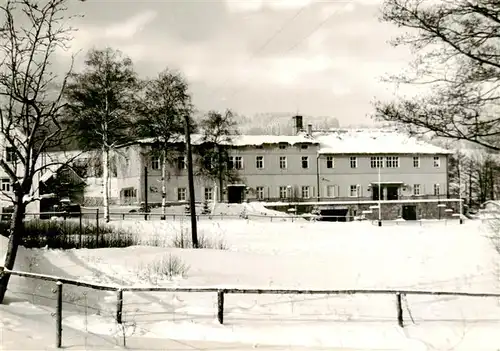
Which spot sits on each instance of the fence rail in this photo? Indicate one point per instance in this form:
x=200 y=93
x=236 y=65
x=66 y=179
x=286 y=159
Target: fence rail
x=98 y=215
x=221 y=292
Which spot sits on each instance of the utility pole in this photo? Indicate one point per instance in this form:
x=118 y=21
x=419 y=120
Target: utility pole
x=379 y=197
x=192 y=204
x=460 y=192
x=146 y=206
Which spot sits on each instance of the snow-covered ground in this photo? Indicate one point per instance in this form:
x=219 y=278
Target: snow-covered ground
x=284 y=254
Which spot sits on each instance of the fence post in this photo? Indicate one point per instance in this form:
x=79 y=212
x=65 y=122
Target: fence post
x=220 y=306
x=399 y=310
x=97 y=227
x=80 y=229
x=119 y=305
x=59 y=315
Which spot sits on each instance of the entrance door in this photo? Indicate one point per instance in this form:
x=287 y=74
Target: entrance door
x=235 y=194
x=409 y=213
x=392 y=193
x=375 y=193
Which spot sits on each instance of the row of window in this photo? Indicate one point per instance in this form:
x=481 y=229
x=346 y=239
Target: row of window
x=355 y=190
x=236 y=162
x=285 y=192
x=182 y=194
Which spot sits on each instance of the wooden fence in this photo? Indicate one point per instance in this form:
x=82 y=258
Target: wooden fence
x=97 y=216
x=221 y=292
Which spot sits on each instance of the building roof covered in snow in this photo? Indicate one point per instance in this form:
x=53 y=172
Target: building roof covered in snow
x=246 y=140
x=335 y=141
x=373 y=141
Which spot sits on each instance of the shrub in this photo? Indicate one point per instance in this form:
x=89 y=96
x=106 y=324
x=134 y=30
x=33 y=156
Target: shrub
x=167 y=266
x=56 y=234
x=183 y=241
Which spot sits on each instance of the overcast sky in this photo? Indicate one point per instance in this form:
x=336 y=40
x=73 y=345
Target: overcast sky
x=321 y=58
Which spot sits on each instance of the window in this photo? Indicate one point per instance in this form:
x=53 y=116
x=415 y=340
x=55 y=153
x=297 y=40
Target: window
x=330 y=191
x=129 y=193
x=238 y=162
x=436 y=189
x=283 y=192
x=305 y=161
x=259 y=162
x=353 y=191
x=392 y=161
x=283 y=162
x=259 y=191
x=209 y=194
x=282 y=146
x=181 y=194
x=353 y=162
x=230 y=162
x=155 y=163
x=208 y=162
x=437 y=162
x=10 y=154
x=305 y=192
x=416 y=162
x=416 y=189
x=6 y=184
x=329 y=162
x=377 y=162
x=181 y=162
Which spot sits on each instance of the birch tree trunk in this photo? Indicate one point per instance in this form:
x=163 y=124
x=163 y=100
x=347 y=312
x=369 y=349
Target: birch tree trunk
x=16 y=232
x=105 y=183
x=215 y=194
x=163 y=185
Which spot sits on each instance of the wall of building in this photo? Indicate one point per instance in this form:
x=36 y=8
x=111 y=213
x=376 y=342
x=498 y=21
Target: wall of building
x=270 y=177
x=343 y=176
x=129 y=174
x=132 y=160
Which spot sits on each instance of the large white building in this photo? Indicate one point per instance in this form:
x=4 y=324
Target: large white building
x=311 y=165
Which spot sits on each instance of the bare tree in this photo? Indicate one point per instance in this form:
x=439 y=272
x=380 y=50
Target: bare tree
x=218 y=131
x=162 y=111
x=31 y=102
x=101 y=104
x=457 y=44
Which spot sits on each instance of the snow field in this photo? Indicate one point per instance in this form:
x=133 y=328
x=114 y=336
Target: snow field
x=296 y=255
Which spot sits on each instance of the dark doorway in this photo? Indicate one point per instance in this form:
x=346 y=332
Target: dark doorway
x=410 y=213
x=235 y=194
x=392 y=192
x=375 y=193
x=334 y=215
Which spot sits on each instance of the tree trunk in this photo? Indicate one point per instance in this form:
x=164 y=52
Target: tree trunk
x=220 y=173
x=214 y=202
x=470 y=184
x=16 y=232
x=163 y=185
x=105 y=183
x=492 y=184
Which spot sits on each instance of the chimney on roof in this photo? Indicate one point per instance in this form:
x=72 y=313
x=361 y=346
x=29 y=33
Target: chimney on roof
x=309 y=129
x=298 y=125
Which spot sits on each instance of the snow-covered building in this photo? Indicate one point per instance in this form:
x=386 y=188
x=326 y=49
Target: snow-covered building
x=335 y=165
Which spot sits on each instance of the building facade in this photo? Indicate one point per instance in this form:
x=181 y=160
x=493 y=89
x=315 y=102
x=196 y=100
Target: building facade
x=336 y=165
x=268 y=167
